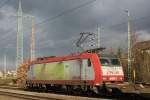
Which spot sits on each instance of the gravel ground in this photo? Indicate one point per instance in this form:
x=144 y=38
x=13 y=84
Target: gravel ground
x=2 y=97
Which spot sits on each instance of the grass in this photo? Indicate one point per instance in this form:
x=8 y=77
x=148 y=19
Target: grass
x=7 y=81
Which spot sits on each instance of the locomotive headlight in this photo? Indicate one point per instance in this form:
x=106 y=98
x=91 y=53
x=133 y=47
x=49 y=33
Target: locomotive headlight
x=121 y=78
x=97 y=84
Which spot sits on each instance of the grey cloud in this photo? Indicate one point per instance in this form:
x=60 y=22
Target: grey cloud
x=56 y=37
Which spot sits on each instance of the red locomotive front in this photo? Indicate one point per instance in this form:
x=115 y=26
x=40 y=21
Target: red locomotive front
x=112 y=70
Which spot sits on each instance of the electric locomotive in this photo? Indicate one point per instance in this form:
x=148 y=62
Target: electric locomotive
x=85 y=72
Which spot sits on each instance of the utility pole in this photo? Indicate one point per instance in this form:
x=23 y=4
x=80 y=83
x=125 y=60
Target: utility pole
x=19 y=56
x=129 y=46
x=98 y=36
x=32 y=45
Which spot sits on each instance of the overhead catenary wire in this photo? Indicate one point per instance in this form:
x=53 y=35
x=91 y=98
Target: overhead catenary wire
x=51 y=19
x=123 y=23
x=66 y=12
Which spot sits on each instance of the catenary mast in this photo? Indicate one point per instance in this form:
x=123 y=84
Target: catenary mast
x=19 y=56
x=98 y=36
x=32 y=45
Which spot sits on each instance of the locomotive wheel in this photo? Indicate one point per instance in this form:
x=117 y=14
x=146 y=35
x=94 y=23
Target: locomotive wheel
x=69 y=90
x=89 y=93
x=78 y=91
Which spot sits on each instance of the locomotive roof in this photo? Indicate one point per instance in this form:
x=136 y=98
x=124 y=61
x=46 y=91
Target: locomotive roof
x=62 y=58
x=108 y=55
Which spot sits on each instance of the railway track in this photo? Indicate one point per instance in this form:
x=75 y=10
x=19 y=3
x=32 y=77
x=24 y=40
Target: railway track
x=13 y=91
x=10 y=87
x=27 y=95
x=24 y=95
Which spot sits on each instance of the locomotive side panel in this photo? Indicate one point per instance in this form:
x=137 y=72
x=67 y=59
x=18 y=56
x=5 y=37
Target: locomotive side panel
x=48 y=71
x=66 y=70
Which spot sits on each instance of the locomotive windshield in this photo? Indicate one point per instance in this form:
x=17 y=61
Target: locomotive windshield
x=115 y=62
x=110 y=62
x=104 y=62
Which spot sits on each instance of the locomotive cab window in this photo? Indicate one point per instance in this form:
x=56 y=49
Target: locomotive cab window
x=115 y=62
x=104 y=62
x=89 y=63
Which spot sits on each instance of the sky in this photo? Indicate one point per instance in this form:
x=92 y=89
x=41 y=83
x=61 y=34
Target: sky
x=60 y=22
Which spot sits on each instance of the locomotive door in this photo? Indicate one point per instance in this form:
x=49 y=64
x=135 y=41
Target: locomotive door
x=87 y=72
x=84 y=69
